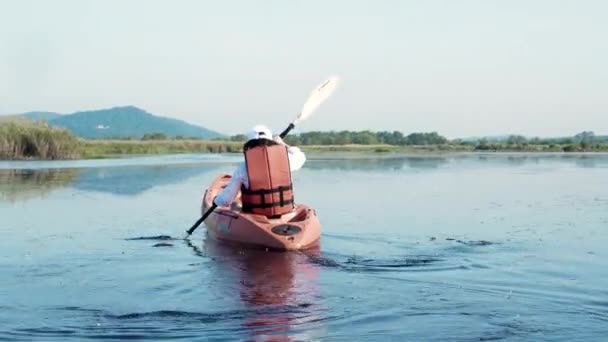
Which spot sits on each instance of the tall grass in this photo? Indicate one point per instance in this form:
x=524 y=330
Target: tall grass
x=105 y=148
x=22 y=139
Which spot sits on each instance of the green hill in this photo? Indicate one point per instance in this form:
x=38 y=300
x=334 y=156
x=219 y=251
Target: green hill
x=121 y=122
x=30 y=116
x=41 y=116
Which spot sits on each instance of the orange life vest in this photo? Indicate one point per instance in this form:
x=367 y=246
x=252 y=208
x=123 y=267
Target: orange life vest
x=270 y=189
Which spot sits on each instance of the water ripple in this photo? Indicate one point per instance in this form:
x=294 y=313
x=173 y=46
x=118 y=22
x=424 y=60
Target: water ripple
x=173 y=324
x=154 y=237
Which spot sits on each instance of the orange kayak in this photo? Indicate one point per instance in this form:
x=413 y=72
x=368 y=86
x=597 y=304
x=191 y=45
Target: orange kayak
x=297 y=230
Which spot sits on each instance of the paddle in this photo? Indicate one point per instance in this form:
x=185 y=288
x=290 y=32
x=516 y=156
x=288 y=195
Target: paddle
x=318 y=96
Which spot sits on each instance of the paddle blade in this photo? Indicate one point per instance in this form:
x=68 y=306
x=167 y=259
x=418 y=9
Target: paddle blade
x=318 y=95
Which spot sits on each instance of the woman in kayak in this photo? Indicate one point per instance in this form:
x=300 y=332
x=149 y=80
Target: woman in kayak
x=264 y=179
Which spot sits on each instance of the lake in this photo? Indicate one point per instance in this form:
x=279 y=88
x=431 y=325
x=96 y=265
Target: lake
x=455 y=247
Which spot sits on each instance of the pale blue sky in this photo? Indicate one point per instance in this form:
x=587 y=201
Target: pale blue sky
x=461 y=68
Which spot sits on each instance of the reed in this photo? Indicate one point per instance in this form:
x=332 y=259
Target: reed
x=22 y=139
x=107 y=148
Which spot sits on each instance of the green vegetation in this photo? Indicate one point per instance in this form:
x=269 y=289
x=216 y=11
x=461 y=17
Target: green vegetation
x=25 y=139
x=154 y=136
x=384 y=148
x=104 y=148
x=582 y=142
x=131 y=130
x=346 y=141
x=361 y=138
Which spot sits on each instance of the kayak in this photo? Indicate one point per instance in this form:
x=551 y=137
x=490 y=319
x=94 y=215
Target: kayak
x=297 y=230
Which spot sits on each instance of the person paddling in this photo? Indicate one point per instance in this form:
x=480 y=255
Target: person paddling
x=264 y=179
x=271 y=192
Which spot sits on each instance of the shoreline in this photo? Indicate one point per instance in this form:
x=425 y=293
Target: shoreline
x=25 y=140
x=103 y=149
x=117 y=149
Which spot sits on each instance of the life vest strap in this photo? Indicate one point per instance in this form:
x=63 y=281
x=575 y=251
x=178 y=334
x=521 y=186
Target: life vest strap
x=247 y=207
x=262 y=195
x=279 y=189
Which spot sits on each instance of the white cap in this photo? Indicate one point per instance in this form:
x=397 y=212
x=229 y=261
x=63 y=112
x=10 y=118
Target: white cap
x=259 y=132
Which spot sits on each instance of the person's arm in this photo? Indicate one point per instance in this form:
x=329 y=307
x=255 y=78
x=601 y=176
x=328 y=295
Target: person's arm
x=297 y=158
x=227 y=195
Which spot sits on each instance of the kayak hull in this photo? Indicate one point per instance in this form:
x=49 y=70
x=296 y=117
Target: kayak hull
x=297 y=230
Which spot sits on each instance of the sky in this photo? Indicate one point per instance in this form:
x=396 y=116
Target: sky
x=460 y=68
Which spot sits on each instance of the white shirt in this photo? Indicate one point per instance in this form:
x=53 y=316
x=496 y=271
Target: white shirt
x=239 y=177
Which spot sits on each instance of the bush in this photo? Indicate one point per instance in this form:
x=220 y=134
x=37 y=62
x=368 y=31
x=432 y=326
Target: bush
x=154 y=136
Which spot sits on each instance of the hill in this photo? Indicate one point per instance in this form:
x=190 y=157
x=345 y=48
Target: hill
x=41 y=116
x=121 y=122
x=30 y=116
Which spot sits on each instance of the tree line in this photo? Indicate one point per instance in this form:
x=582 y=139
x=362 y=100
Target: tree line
x=584 y=139
x=359 y=138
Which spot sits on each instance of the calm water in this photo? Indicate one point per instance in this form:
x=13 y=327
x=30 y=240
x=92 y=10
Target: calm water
x=455 y=247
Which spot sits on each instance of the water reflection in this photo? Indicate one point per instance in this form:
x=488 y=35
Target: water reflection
x=279 y=289
x=520 y=159
x=373 y=162
x=591 y=161
x=134 y=180
x=24 y=184
x=130 y=180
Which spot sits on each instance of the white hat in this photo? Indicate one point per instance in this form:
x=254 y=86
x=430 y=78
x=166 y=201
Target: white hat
x=259 y=132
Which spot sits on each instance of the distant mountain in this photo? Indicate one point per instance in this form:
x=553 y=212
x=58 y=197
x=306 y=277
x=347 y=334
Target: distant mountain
x=121 y=122
x=41 y=116
x=33 y=116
